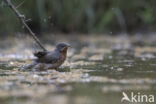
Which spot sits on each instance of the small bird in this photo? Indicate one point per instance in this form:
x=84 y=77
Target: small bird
x=50 y=59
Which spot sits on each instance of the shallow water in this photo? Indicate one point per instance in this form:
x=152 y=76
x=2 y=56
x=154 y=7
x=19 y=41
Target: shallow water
x=98 y=70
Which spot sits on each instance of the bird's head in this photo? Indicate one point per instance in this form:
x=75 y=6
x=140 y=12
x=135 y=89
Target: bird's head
x=62 y=47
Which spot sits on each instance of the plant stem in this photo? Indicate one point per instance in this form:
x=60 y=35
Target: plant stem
x=22 y=19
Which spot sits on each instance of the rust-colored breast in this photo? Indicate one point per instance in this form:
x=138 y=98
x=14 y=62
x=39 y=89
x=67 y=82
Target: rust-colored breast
x=63 y=55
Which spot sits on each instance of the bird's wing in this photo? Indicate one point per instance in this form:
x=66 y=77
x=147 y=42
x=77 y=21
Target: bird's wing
x=50 y=57
x=40 y=54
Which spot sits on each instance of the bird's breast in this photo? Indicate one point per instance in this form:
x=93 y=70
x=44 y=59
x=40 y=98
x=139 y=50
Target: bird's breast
x=62 y=57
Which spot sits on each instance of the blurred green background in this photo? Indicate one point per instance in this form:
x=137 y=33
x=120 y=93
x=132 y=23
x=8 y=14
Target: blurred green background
x=81 y=16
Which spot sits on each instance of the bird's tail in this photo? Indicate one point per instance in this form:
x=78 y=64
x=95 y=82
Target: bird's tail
x=30 y=65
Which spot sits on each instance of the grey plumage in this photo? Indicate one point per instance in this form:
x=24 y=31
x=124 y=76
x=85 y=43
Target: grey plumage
x=47 y=57
x=50 y=59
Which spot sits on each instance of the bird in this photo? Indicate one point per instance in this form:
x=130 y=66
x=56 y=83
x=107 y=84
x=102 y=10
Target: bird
x=50 y=59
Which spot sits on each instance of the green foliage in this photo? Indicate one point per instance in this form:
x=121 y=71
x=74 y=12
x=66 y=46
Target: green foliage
x=82 y=16
x=105 y=20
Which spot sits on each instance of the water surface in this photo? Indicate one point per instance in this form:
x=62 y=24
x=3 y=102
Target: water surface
x=98 y=70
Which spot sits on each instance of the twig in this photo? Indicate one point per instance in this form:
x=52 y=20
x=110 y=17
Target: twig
x=20 y=4
x=22 y=19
